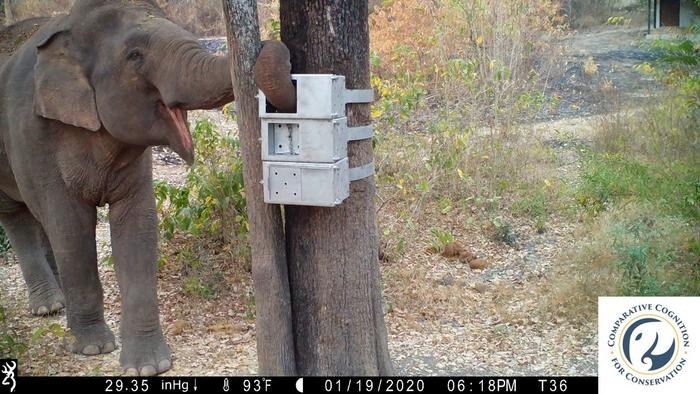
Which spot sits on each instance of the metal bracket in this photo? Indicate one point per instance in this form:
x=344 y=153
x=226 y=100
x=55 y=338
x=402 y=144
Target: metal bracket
x=361 y=172
x=358 y=96
x=360 y=133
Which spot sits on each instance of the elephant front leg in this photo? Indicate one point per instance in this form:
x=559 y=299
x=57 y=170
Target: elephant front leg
x=70 y=226
x=134 y=230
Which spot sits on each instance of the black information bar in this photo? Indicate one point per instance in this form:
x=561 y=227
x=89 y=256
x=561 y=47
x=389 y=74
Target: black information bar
x=309 y=385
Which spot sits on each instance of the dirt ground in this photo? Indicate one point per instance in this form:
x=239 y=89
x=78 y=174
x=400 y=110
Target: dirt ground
x=467 y=321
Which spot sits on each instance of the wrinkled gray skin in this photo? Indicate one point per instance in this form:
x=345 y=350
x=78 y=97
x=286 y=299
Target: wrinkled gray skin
x=81 y=102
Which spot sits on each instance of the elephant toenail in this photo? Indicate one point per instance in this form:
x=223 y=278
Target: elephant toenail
x=164 y=366
x=42 y=310
x=131 y=372
x=108 y=347
x=91 y=350
x=148 y=370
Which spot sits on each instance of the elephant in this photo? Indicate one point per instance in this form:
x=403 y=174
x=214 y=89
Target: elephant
x=82 y=101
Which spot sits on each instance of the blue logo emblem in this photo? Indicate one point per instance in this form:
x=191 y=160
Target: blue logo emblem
x=649 y=344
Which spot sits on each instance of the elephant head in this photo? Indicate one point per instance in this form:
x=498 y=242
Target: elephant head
x=123 y=67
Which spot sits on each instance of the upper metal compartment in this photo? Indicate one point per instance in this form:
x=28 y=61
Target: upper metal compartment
x=319 y=96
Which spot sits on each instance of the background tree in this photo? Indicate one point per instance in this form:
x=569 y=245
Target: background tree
x=275 y=343
x=7 y=10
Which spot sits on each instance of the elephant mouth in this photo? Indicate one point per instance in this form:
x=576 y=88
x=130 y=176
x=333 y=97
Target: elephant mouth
x=181 y=140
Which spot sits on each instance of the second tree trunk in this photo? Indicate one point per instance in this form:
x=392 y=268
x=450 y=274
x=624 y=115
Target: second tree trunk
x=332 y=253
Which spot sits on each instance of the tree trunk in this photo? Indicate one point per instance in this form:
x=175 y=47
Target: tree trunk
x=9 y=18
x=269 y=262
x=332 y=253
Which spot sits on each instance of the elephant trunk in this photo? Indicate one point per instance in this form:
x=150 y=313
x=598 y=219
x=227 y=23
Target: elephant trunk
x=272 y=75
x=188 y=77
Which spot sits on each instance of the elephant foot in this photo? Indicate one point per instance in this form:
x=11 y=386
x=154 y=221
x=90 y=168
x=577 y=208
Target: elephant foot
x=46 y=302
x=145 y=355
x=91 y=340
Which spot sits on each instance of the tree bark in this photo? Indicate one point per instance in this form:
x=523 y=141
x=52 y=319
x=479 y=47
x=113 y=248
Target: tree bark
x=332 y=253
x=9 y=18
x=275 y=342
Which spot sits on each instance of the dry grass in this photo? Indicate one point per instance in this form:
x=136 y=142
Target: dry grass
x=25 y=9
x=472 y=58
x=667 y=133
x=590 y=68
x=590 y=13
x=586 y=272
x=203 y=17
x=599 y=264
x=455 y=81
x=639 y=193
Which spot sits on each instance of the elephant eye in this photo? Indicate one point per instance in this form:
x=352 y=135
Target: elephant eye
x=134 y=55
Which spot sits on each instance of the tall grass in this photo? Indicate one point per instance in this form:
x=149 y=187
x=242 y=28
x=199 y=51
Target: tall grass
x=640 y=191
x=478 y=58
x=456 y=80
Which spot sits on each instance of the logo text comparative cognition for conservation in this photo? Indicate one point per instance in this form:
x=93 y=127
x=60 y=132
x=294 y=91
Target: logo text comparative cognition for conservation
x=646 y=342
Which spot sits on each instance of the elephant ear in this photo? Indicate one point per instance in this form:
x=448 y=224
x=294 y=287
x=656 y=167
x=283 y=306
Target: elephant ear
x=61 y=89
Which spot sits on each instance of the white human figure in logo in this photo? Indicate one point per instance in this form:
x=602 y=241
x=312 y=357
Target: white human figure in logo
x=9 y=372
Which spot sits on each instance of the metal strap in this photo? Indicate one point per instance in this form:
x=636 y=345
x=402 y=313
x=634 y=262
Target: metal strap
x=360 y=133
x=361 y=172
x=359 y=96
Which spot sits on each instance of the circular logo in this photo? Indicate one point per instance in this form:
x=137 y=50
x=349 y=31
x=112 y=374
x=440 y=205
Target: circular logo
x=649 y=344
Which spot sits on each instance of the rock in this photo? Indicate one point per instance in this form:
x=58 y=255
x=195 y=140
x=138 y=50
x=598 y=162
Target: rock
x=452 y=249
x=178 y=327
x=478 y=264
x=447 y=280
x=466 y=256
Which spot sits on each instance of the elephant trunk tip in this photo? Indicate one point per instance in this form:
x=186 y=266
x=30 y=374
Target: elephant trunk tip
x=272 y=73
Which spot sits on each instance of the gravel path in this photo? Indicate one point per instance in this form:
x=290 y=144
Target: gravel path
x=613 y=52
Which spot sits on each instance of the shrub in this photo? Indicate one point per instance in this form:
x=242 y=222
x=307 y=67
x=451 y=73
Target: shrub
x=4 y=242
x=612 y=178
x=640 y=185
x=9 y=346
x=211 y=204
x=454 y=81
x=441 y=239
x=657 y=255
x=204 y=222
x=473 y=57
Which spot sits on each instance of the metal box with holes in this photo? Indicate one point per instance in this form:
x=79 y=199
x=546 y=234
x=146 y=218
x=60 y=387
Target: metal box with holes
x=305 y=153
x=316 y=184
x=305 y=140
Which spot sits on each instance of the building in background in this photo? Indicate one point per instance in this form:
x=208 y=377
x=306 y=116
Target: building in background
x=682 y=13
